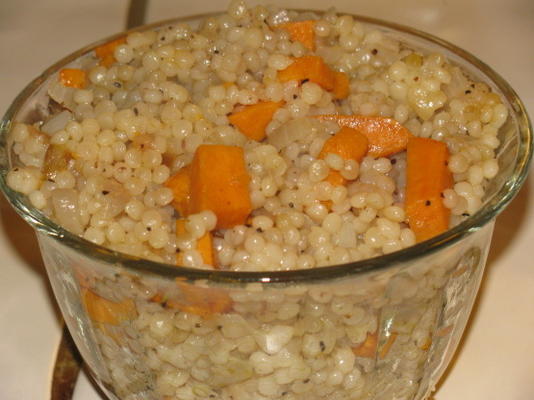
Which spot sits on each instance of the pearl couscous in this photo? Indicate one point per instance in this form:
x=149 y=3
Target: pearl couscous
x=107 y=163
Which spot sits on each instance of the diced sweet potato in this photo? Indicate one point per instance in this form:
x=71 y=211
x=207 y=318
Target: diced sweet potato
x=205 y=248
x=347 y=143
x=219 y=182
x=386 y=136
x=202 y=301
x=252 y=120
x=204 y=245
x=106 y=51
x=301 y=31
x=102 y=310
x=427 y=176
x=180 y=184
x=312 y=68
x=367 y=349
x=73 y=77
x=341 y=85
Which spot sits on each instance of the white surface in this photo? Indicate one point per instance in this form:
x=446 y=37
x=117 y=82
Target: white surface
x=496 y=359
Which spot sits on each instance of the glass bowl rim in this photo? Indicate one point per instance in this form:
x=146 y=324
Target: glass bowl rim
x=471 y=224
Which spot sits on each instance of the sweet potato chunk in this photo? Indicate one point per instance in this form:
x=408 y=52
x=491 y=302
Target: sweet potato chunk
x=106 y=51
x=301 y=31
x=347 y=143
x=105 y=311
x=341 y=85
x=367 y=349
x=73 y=77
x=253 y=119
x=312 y=68
x=219 y=182
x=180 y=184
x=386 y=136
x=205 y=302
x=427 y=176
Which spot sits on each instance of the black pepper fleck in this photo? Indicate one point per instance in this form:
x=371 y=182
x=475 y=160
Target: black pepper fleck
x=104 y=192
x=416 y=78
x=467 y=91
x=305 y=80
x=148 y=228
x=427 y=203
x=393 y=161
x=374 y=51
x=216 y=51
x=197 y=325
x=322 y=346
x=442 y=195
x=294 y=96
x=466 y=215
x=259 y=230
x=306 y=380
x=117 y=84
x=291 y=205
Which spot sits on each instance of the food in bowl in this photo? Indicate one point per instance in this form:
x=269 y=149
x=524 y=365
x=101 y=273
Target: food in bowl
x=262 y=140
x=292 y=130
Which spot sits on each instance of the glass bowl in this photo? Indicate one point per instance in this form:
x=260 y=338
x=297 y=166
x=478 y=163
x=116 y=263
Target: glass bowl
x=383 y=328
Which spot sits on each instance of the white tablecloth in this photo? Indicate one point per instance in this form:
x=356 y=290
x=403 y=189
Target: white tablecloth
x=496 y=358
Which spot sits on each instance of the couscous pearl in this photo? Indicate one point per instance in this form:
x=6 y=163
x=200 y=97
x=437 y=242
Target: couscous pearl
x=332 y=223
x=311 y=93
x=37 y=199
x=83 y=96
x=490 y=168
x=334 y=161
x=94 y=235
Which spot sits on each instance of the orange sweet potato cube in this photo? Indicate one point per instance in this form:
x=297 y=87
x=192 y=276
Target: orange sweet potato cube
x=312 y=68
x=219 y=182
x=180 y=184
x=252 y=120
x=347 y=143
x=301 y=31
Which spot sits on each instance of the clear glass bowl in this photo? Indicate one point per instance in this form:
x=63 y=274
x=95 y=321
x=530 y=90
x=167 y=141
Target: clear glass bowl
x=382 y=328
